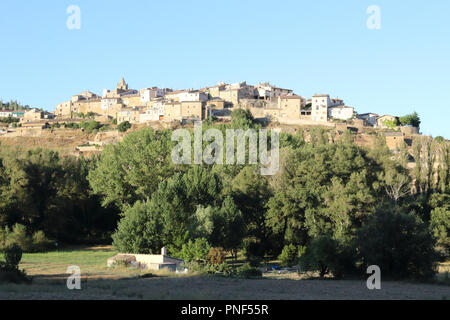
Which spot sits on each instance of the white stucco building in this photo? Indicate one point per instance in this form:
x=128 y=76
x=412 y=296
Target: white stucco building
x=149 y=94
x=341 y=112
x=152 y=114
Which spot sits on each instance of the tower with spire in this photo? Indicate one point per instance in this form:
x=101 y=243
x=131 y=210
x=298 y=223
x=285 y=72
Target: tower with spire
x=122 y=86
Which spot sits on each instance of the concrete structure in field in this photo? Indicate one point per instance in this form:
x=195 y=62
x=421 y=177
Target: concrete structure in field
x=148 y=261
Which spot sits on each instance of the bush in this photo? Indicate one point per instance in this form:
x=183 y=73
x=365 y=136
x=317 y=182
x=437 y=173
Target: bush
x=20 y=237
x=216 y=256
x=71 y=125
x=40 y=242
x=9 y=270
x=195 y=250
x=289 y=256
x=320 y=256
x=254 y=252
x=225 y=269
x=13 y=255
x=124 y=126
x=328 y=256
x=399 y=243
x=248 y=271
x=197 y=267
x=90 y=126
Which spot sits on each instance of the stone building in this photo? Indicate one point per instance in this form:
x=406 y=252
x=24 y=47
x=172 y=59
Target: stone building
x=290 y=106
x=33 y=115
x=394 y=140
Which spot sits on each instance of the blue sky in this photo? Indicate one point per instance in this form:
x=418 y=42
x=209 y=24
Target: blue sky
x=309 y=46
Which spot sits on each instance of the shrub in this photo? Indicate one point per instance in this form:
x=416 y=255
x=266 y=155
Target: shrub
x=289 y=255
x=90 y=126
x=195 y=250
x=9 y=270
x=124 y=126
x=40 y=242
x=399 y=243
x=254 y=252
x=248 y=271
x=13 y=255
x=320 y=255
x=71 y=125
x=225 y=269
x=20 y=237
x=216 y=256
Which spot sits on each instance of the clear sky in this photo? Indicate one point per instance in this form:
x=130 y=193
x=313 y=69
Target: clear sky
x=310 y=46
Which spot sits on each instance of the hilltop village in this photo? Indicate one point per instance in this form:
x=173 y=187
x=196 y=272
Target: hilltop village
x=264 y=100
x=164 y=107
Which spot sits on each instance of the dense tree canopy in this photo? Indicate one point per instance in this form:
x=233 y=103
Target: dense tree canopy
x=326 y=199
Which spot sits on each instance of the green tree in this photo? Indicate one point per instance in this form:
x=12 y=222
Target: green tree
x=320 y=255
x=242 y=119
x=140 y=230
x=132 y=169
x=324 y=189
x=410 y=119
x=399 y=243
x=251 y=192
x=229 y=227
x=197 y=250
x=289 y=255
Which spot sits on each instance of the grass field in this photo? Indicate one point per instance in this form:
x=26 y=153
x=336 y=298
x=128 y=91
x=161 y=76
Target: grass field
x=99 y=282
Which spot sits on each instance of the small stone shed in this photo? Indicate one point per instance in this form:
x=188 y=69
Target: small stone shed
x=148 y=261
x=394 y=139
